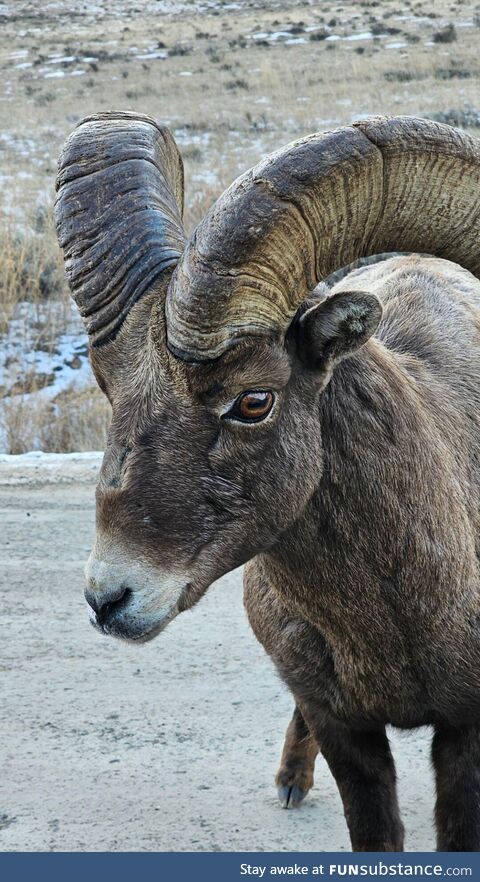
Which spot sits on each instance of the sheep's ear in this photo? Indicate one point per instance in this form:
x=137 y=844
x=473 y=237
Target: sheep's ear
x=337 y=326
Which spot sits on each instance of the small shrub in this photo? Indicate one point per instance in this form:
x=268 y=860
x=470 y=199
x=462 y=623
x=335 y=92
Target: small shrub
x=179 y=49
x=241 y=43
x=401 y=76
x=452 y=73
x=447 y=34
x=239 y=83
x=214 y=55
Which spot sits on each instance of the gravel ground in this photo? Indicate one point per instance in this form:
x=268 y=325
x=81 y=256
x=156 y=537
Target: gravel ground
x=170 y=746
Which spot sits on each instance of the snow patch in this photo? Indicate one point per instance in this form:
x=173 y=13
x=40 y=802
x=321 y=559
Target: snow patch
x=148 y=55
x=367 y=35
x=51 y=460
x=58 y=59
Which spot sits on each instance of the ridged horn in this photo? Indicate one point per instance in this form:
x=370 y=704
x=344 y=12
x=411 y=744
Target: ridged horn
x=399 y=184
x=118 y=214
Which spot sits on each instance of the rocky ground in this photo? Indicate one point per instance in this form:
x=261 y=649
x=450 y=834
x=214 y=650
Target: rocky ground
x=169 y=746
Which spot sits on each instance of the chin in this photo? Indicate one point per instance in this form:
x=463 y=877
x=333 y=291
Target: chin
x=134 y=630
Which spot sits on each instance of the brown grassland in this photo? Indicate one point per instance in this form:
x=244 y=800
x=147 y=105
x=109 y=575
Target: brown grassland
x=233 y=81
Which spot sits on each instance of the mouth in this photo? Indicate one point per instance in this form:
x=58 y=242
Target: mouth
x=133 y=629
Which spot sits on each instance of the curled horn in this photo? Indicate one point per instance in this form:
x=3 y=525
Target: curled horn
x=399 y=184
x=118 y=215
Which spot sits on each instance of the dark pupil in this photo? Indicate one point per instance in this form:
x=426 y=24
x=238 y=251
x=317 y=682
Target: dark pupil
x=255 y=403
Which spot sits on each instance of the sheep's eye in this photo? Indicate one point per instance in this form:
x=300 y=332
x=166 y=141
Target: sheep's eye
x=251 y=407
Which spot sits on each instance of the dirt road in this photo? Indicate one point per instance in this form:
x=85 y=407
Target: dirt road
x=169 y=746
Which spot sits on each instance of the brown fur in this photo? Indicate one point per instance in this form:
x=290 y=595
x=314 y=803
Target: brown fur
x=356 y=504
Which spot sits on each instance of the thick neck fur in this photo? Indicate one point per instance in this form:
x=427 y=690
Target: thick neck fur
x=378 y=545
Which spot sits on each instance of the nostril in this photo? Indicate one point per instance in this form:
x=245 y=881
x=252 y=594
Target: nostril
x=111 y=606
x=107 y=603
x=91 y=599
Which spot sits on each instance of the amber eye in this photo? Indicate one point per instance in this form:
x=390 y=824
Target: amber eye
x=251 y=407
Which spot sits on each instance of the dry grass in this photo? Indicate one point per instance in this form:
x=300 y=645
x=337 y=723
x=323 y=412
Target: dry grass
x=77 y=420
x=197 y=207
x=31 y=269
x=21 y=419
x=73 y=420
x=229 y=96
x=32 y=274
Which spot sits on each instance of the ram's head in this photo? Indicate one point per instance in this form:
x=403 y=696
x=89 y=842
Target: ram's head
x=212 y=352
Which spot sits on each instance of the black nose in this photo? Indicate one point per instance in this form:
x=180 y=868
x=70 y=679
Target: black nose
x=106 y=604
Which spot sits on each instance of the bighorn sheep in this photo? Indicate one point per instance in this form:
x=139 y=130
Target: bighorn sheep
x=334 y=450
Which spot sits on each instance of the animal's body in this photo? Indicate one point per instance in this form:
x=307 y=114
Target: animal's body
x=371 y=601
x=370 y=605
x=333 y=448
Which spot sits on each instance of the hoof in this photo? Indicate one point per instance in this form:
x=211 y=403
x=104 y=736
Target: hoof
x=291 y=796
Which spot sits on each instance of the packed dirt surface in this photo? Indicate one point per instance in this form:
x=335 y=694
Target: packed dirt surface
x=170 y=746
